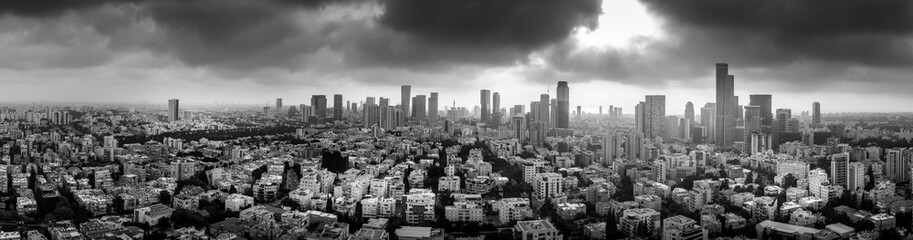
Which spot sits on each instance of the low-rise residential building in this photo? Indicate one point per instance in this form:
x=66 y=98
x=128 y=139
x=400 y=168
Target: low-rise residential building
x=464 y=212
x=536 y=230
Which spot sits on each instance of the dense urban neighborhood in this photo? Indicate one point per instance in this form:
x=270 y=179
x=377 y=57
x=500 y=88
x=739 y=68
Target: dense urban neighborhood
x=373 y=170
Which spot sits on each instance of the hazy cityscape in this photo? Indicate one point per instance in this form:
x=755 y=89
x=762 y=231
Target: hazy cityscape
x=456 y=120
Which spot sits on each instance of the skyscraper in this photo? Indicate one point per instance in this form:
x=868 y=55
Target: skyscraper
x=633 y=145
x=432 y=107
x=639 y=117
x=496 y=107
x=725 y=111
x=485 y=100
x=544 y=109
x=563 y=105
x=655 y=116
x=174 y=110
x=406 y=93
x=689 y=111
x=816 y=113
x=764 y=102
x=371 y=113
x=708 y=120
x=319 y=103
x=578 y=112
x=419 y=108
x=337 y=107
x=278 y=106
x=752 y=125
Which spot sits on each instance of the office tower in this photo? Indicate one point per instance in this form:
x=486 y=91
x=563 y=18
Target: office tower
x=684 y=128
x=897 y=164
x=348 y=106
x=725 y=111
x=432 y=107
x=689 y=111
x=485 y=101
x=611 y=111
x=518 y=123
x=633 y=145
x=319 y=103
x=278 y=106
x=370 y=115
x=544 y=109
x=737 y=110
x=383 y=102
x=763 y=101
x=639 y=116
x=495 y=103
x=173 y=110
x=839 y=164
x=654 y=116
x=611 y=146
x=354 y=107
x=672 y=128
x=518 y=109
x=553 y=113
x=337 y=107
x=816 y=113
x=600 y=110
x=578 y=112
x=783 y=117
x=406 y=93
x=563 y=105
x=856 y=176
x=419 y=108
x=306 y=112
x=752 y=126
x=708 y=120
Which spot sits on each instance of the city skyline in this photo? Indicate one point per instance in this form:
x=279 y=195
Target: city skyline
x=612 y=52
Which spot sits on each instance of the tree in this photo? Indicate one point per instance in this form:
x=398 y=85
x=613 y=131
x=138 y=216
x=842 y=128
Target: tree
x=185 y=218
x=165 y=197
x=749 y=178
x=790 y=181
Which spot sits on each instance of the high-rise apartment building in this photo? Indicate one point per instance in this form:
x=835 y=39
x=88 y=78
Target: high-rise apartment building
x=764 y=102
x=752 y=126
x=816 y=113
x=485 y=101
x=279 y=106
x=173 y=110
x=563 y=105
x=419 y=108
x=611 y=146
x=725 y=109
x=839 y=168
x=405 y=100
x=432 y=107
x=319 y=103
x=633 y=145
x=897 y=164
x=654 y=116
x=708 y=120
x=496 y=107
x=855 y=176
x=337 y=107
x=689 y=111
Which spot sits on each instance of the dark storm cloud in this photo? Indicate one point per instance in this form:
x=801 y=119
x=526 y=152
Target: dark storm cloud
x=473 y=31
x=813 y=41
x=872 y=33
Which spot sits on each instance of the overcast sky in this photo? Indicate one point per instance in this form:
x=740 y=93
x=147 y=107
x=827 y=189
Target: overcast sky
x=850 y=55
